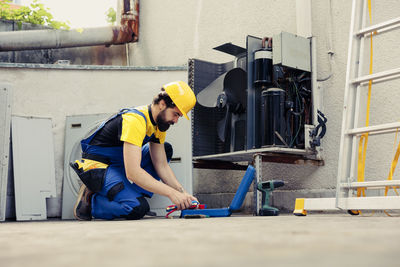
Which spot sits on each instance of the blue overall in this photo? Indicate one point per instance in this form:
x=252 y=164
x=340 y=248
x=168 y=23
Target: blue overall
x=130 y=197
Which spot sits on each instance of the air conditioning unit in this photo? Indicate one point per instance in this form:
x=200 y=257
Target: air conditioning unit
x=263 y=101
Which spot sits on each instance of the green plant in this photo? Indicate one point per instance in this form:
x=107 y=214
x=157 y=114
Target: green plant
x=36 y=13
x=111 y=15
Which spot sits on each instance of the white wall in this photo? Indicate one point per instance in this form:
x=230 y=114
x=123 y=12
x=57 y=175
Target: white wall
x=171 y=31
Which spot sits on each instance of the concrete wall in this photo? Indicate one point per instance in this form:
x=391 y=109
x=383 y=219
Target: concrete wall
x=171 y=31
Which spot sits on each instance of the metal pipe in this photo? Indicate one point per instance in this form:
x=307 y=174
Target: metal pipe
x=127 y=6
x=47 y=39
x=130 y=18
x=127 y=32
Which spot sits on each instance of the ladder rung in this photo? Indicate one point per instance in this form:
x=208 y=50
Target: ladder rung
x=381 y=80
x=379 y=26
x=377 y=129
x=379 y=75
x=371 y=184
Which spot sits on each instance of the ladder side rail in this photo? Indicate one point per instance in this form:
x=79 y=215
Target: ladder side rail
x=354 y=155
x=353 y=57
x=353 y=203
x=360 y=90
x=371 y=203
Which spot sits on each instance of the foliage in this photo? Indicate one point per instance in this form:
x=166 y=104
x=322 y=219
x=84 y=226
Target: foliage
x=36 y=13
x=111 y=15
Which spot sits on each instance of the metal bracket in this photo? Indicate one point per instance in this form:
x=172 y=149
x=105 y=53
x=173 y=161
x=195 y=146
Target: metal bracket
x=318 y=132
x=257 y=179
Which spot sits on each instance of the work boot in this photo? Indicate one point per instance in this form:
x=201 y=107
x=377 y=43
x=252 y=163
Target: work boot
x=83 y=205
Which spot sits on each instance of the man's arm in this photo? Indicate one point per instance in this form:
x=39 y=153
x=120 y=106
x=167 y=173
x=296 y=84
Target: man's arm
x=135 y=173
x=159 y=159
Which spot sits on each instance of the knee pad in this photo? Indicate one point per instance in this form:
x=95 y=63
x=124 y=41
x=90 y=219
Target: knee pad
x=168 y=151
x=139 y=211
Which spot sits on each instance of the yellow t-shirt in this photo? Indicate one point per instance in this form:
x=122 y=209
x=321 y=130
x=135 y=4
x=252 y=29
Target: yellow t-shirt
x=138 y=128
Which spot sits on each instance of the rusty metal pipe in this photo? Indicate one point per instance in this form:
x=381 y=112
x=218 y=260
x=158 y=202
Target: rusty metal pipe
x=127 y=6
x=269 y=42
x=48 y=39
x=130 y=18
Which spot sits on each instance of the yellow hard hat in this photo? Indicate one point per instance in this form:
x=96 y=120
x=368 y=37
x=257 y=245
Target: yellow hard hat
x=182 y=95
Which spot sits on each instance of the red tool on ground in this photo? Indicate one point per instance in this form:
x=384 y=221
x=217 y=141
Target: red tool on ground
x=195 y=205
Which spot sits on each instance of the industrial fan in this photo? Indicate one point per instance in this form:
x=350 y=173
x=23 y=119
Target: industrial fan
x=228 y=92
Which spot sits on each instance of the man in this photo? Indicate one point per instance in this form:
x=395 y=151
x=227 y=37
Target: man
x=125 y=158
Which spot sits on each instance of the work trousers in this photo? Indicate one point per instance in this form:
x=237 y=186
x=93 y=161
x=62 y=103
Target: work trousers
x=119 y=198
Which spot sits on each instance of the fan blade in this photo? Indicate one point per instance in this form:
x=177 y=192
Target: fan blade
x=224 y=125
x=235 y=84
x=208 y=96
x=234 y=81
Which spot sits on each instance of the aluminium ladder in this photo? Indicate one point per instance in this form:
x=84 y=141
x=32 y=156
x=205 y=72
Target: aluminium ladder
x=346 y=180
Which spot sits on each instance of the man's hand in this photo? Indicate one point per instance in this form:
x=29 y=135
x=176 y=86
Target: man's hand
x=181 y=200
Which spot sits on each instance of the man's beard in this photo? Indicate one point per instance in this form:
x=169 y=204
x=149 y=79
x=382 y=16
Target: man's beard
x=162 y=123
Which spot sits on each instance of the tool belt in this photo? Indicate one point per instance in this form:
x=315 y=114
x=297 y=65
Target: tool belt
x=91 y=170
x=98 y=158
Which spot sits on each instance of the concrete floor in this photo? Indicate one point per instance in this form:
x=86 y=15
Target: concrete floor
x=286 y=240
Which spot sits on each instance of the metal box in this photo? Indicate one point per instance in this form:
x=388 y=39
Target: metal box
x=292 y=51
